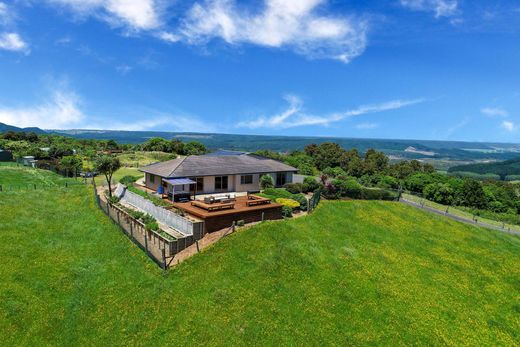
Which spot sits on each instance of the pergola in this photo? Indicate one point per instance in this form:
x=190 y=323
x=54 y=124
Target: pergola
x=178 y=194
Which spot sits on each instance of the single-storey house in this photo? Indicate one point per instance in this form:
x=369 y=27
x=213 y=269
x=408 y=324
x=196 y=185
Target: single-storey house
x=208 y=174
x=6 y=155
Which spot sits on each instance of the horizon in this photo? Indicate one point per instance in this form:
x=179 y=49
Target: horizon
x=443 y=70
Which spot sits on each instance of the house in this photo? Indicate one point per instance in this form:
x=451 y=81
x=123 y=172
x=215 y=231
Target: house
x=6 y=155
x=208 y=174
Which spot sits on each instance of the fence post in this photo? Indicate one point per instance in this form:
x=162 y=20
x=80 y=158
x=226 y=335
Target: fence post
x=146 y=240
x=233 y=226
x=164 y=259
x=131 y=228
x=263 y=215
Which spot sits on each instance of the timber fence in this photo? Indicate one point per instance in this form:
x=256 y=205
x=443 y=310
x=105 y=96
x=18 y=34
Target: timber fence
x=160 y=249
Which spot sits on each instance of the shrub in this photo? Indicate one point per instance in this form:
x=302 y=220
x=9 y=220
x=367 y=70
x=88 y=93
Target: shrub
x=288 y=202
x=310 y=184
x=113 y=199
x=377 y=194
x=241 y=223
x=128 y=180
x=286 y=211
x=266 y=182
x=156 y=200
x=294 y=188
x=275 y=193
x=335 y=172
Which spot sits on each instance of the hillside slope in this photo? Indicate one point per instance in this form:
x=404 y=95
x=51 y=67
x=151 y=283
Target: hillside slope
x=351 y=273
x=503 y=169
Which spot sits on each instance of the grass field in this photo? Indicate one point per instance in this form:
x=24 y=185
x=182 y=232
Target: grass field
x=458 y=212
x=15 y=176
x=351 y=273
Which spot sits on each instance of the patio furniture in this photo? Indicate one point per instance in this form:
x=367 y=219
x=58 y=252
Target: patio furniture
x=254 y=200
x=214 y=206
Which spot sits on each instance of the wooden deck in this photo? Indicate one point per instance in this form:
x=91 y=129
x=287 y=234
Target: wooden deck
x=239 y=208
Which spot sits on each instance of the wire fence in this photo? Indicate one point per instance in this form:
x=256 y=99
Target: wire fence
x=456 y=212
x=40 y=186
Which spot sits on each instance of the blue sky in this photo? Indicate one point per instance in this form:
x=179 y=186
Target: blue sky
x=419 y=69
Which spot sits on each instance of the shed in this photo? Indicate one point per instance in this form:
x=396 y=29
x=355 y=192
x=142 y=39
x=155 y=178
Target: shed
x=6 y=155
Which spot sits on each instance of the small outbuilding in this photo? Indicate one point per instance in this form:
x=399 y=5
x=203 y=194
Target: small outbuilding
x=6 y=155
x=29 y=161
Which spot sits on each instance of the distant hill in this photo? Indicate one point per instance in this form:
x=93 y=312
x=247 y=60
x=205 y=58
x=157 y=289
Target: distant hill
x=504 y=169
x=5 y=127
x=409 y=149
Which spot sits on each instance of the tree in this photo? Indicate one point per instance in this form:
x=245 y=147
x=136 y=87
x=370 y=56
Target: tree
x=328 y=154
x=194 y=148
x=473 y=194
x=441 y=193
x=107 y=165
x=157 y=144
x=311 y=149
x=71 y=163
x=375 y=162
x=177 y=146
x=266 y=181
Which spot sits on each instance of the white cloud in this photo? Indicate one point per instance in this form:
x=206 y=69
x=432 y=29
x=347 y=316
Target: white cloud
x=61 y=111
x=13 y=42
x=168 y=36
x=133 y=14
x=9 y=39
x=295 y=116
x=509 y=126
x=494 y=112
x=367 y=126
x=441 y=8
x=293 y=24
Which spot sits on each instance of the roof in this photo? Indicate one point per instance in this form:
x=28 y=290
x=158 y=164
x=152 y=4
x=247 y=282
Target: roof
x=178 y=181
x=200 y=165
x=221 y=152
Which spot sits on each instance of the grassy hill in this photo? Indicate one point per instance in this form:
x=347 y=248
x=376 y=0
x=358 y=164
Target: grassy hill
x=351 y=273
x=502 y=169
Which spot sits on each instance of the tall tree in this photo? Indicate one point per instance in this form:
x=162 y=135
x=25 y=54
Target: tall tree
x=107 y=165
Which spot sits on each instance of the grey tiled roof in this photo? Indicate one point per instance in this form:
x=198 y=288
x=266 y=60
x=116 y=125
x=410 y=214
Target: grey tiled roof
x=195 y=165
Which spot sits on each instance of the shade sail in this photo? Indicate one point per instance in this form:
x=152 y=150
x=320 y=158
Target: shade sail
x=178 y=181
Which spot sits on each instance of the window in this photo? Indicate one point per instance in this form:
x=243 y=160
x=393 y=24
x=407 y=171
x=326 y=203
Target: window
x=221 y=182
x=152 y=178
x=246 y=179
x=200 y=184
x=281 y=179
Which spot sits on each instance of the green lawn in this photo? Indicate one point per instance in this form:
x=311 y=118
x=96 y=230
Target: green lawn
x=351 y=273
x=459 y=212
x=122 y=172
x=15 y=176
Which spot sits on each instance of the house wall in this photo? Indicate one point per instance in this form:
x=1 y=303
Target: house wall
x=209 y=183
x=245 y=187
x=152 y=185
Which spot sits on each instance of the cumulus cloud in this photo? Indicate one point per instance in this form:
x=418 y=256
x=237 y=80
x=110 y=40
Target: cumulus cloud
x=509 y=126
x=59 y=112
x=293 y=24
x=494 y=112
x=133 y=14
x=441 y=8
x=9 y=39
x=13 y=42
x=295 y=116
